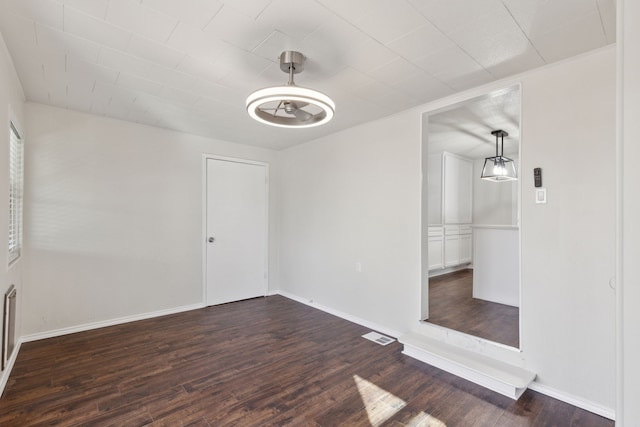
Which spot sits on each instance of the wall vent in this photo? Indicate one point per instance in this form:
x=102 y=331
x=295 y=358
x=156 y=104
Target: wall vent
x=9 y=322
x=378 y=338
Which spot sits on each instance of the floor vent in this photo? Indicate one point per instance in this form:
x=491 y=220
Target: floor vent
x=9 y=330
x=378 y=338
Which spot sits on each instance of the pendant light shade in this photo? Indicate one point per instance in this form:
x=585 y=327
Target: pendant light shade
x=290 y=106
x=499 y=168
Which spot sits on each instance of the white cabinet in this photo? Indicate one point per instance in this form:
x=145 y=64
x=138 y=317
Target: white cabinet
x=436 y=248
x=466 y=244
x=450 y=186
x=458 y=243
x=434 y=189
x=457 y=184
x=451 y=251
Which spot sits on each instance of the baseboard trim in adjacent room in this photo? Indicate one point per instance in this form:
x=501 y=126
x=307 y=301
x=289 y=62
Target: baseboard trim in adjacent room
x=587 y=405
x=341 y=314
x=111 y=322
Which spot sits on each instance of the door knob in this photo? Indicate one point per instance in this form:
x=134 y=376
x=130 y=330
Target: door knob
x=211 y=239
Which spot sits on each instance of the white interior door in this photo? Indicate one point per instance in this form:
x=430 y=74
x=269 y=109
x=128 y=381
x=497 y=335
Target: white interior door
x=236 y=230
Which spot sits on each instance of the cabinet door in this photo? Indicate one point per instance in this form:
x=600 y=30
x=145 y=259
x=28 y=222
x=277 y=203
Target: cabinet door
x=465 y=190
x=434 y=189
x=457 y=175
x=450 y=199
x=451 y=251
x=436 y=253
x=466 y=245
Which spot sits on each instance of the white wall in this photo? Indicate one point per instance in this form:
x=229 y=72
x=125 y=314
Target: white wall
x=629 y=282
x=355 y=196
x=568 y=245
x=114 y=218
x=11 y=105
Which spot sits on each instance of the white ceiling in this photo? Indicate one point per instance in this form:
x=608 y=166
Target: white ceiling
x=188 y=65
x=465 y=128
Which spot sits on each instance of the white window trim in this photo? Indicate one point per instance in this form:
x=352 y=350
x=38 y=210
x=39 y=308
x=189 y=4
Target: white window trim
x=16 y=187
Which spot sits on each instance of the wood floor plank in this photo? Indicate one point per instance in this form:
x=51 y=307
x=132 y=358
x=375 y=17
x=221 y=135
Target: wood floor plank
x=263 y=362
x=451 y=304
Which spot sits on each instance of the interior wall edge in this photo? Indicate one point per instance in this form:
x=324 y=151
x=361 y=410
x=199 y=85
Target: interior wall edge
x=12 y=99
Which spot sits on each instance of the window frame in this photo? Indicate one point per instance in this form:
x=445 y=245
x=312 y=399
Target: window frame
x=16 y=192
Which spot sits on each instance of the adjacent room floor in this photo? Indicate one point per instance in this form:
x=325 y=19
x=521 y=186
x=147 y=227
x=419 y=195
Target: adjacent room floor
x=266 y=361
x=451 y=304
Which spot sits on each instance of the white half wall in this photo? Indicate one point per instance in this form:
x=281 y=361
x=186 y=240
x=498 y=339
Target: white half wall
x=496 y=265
x=351 y=201
x=11 y=108
x=114 y=218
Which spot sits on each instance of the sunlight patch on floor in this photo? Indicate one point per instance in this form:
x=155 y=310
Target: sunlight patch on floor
x=382 y=405
x=425 y=420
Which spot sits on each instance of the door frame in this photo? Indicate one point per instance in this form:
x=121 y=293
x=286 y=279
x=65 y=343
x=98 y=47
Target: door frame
x=205 y=158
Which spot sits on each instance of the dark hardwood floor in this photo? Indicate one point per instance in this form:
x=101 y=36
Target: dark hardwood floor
x=451 y=304
x=266 y=361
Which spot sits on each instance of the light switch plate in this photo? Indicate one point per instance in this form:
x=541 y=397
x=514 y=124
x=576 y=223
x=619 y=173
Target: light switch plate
x=541 y=195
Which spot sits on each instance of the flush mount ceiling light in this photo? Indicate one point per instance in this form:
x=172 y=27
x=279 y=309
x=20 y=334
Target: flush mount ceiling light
x=290 y=106
x=499 y=168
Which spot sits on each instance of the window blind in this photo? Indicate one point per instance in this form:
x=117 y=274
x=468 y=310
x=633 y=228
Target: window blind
x=16 y=152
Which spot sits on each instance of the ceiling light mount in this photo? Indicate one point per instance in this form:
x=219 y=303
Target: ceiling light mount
x=499 y=168
x=292 y=62
x=290 y=106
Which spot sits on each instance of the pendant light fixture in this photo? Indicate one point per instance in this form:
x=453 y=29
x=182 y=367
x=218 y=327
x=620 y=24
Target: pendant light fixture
x=499 y=168
x=290 y=106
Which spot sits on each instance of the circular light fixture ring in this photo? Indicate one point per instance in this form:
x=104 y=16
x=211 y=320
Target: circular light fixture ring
x=290 y=93
x=282 y=106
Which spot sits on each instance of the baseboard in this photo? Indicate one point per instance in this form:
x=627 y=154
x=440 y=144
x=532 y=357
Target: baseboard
x=345 y=316
x=111 y=322
x=4 y=378
x=443 y=271
x=574 y=400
